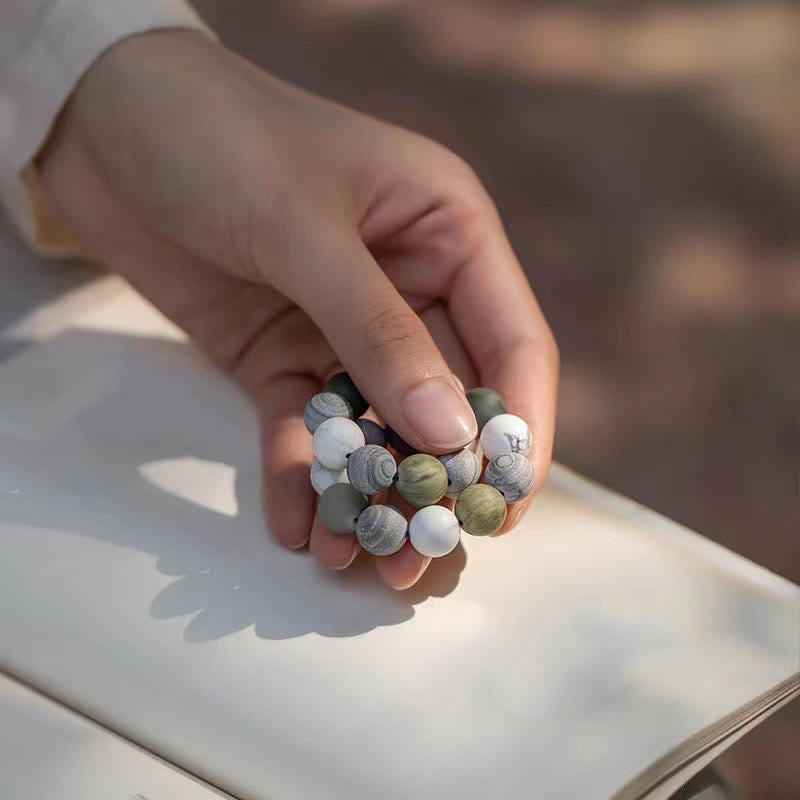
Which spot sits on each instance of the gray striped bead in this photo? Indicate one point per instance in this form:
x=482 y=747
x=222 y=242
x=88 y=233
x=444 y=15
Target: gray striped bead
x=463 y=469
x=512 y=475
x=323 y=406
x=371 y=468
x=381 y=530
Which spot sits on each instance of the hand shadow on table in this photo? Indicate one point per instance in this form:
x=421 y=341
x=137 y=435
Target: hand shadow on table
x=136 y=442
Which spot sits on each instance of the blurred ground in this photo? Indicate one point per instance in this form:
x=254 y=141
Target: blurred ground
x=646 y=159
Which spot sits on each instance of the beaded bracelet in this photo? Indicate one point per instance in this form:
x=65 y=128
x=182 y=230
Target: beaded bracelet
x=355 y=459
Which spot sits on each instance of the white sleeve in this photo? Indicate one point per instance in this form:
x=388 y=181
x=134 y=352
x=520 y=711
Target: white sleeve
x=45 y=47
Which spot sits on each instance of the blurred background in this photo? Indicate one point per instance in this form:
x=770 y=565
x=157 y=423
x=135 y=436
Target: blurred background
x=646 y=160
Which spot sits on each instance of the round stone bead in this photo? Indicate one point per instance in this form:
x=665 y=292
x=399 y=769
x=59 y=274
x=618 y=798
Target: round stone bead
x=340 y=506
x=434 y=531
x=481 y=509
x=371 y=468
x=421 y=480
x=342 y=384
x=322 y=477
x=325 y=405
x=399 y=443
x=486 y=403
x=505 y=433
x=463 y=469
x=373 y=433
x=381 y=530
x=334 y=440
x=512 y=475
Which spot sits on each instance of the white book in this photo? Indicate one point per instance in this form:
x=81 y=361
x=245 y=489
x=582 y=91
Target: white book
x=48 y=752
x=599 y=651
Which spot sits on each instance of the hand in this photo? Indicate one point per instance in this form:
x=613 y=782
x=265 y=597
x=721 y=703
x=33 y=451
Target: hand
x=288 y=235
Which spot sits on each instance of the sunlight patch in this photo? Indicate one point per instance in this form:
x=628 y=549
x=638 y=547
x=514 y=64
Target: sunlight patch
x=209 y=484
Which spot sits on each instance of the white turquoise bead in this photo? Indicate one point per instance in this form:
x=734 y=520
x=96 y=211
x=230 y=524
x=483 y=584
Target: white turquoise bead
x=463 y=469
x=322 y=477
x=325 y=405
x=434 y=531
x=334 y=440
x=512 y=475
x=505 y=433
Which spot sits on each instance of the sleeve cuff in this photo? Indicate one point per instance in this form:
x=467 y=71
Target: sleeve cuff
x=35 y=86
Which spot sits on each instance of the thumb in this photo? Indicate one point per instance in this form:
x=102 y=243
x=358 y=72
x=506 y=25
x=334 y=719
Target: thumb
x=387 y=349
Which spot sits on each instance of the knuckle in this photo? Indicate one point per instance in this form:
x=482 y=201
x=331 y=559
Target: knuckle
x=389 y=331
x=552 y=349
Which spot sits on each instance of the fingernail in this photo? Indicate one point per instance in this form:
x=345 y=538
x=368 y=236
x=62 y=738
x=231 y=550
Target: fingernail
x=440 y=415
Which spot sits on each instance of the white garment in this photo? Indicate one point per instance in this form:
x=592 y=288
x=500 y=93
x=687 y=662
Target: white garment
x=45 y=48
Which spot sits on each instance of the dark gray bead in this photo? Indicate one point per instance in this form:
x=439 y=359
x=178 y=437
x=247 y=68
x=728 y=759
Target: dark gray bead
x=373 y=433
x=342 y=384
x=486 y=403
x=512 y=475
x=463 y=469
x=325 y=405
x=339 y=507
x=398 y=443
x=381 y=530
x=371 y=469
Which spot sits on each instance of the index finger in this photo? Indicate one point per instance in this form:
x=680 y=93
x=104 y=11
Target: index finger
x=494 y=310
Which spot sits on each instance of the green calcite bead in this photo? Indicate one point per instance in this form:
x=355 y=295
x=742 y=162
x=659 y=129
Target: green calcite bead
x=486 y=403
x=421 y=480
x=340 y=506
x=481 y=510
x=342 y=384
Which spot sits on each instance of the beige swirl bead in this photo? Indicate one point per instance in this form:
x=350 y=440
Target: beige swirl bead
x=371 y=469
x=325 y=405
x=381 y=530
x=463 y=470
x=512 y=475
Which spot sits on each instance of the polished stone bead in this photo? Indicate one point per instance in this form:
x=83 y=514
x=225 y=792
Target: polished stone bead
x=481 y=509
x=463 y=469
x=334 y=440
x=434 y=531
x=398 y=443
x=381 y=530
x=340 y=506
x=371 y=469
x=342 y=384
x=322 y=477
x=512 y=475
x=486 y=403
x=505 y=433
x=421 y=480
x=325 y=405
x=373 y=433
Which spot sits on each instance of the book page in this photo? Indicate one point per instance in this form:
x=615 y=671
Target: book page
x=47 y=752
x=139 y=584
